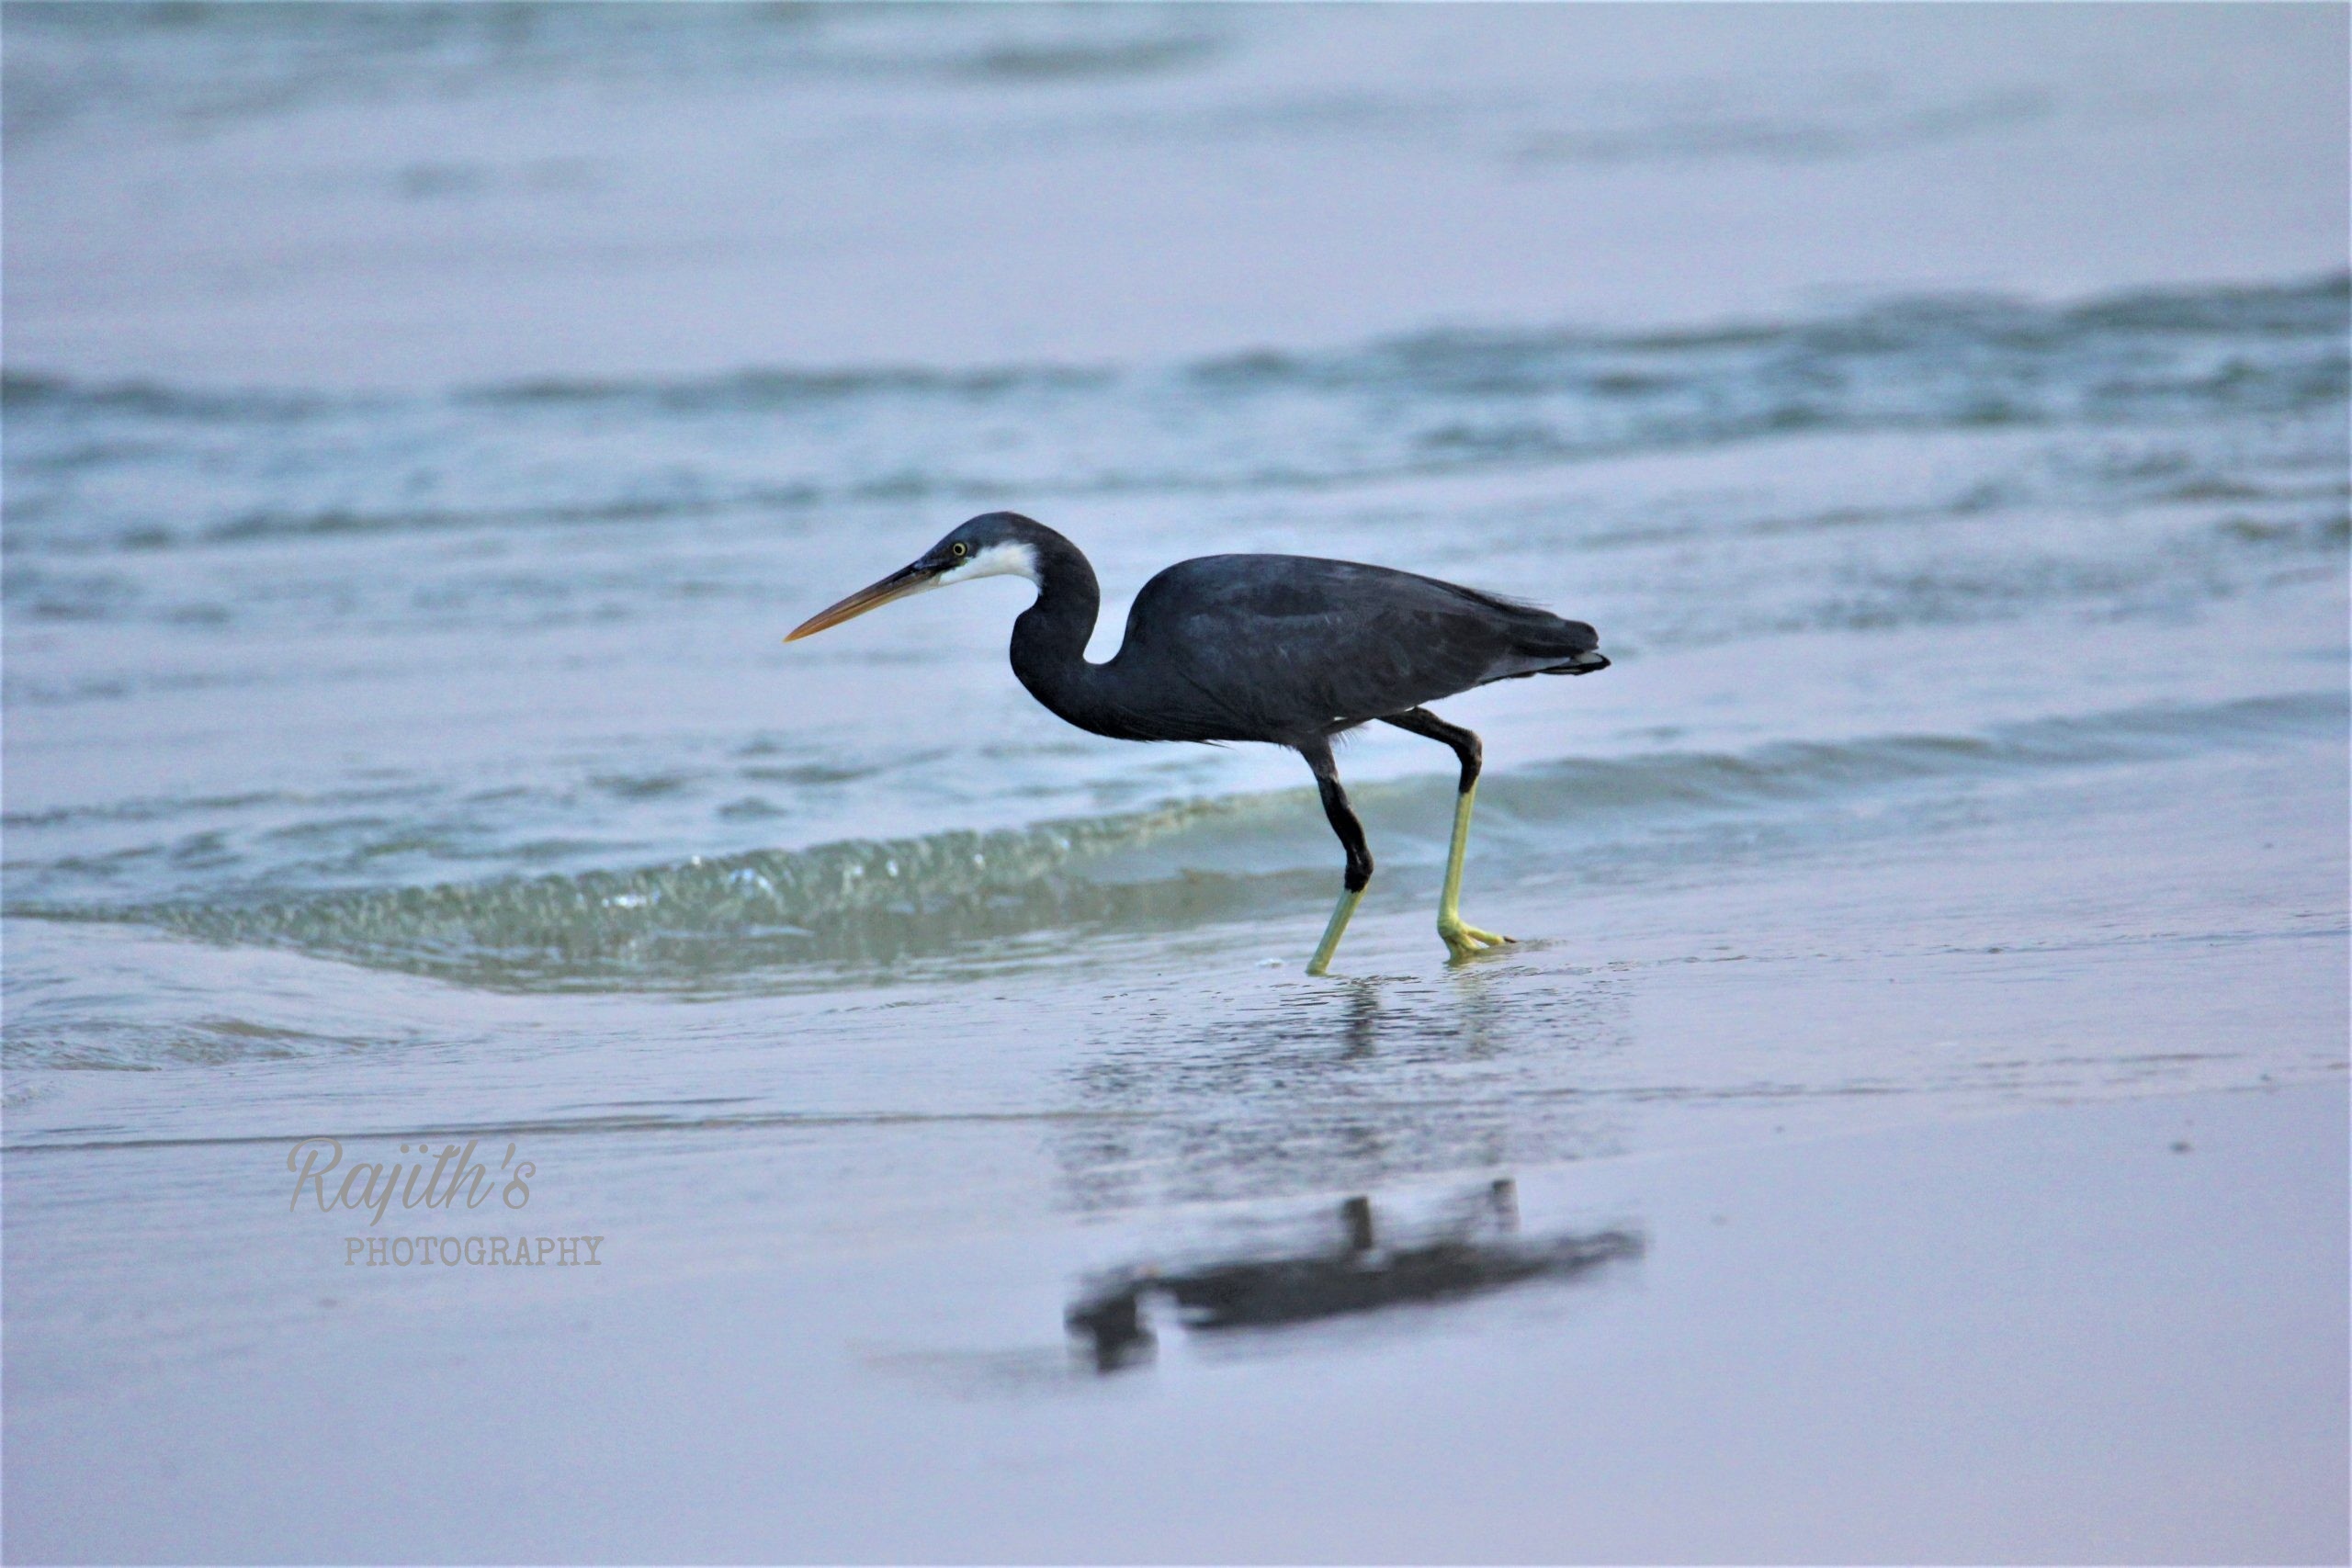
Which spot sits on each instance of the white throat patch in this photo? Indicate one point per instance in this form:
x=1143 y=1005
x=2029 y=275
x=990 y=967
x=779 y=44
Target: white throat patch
x=998 y=560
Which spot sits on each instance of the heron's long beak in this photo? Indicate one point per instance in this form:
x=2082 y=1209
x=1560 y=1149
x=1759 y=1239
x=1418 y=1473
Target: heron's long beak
x=898 y=585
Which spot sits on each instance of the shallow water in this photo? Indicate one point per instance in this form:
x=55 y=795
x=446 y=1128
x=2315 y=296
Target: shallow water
x=555 y=744
x=400 y=741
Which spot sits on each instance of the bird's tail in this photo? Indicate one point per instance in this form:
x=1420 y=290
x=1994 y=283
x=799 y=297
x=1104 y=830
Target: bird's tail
x=1583 y=663
x=1575 y=644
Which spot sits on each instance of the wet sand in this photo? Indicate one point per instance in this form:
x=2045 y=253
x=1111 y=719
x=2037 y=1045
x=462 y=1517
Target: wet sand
x=2109 y=1333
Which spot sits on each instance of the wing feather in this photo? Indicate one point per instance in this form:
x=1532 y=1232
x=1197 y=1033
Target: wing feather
x=1263 y=647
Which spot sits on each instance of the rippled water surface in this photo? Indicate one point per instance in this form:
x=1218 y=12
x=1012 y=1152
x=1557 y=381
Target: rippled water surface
x=487 y=684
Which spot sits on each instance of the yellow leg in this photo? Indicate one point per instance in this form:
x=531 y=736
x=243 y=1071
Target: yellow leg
x=1461 y=940
x=1321 y=962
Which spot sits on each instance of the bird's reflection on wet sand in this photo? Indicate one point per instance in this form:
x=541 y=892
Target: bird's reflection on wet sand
x=1341 y=1090
x=1111 y=1321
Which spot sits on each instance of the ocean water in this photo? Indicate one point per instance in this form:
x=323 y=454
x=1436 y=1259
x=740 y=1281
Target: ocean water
x=486 y=685
x=401 y=529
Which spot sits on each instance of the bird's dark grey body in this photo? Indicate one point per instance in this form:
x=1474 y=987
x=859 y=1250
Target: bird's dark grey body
x=1282 y=649
x=1290 y=649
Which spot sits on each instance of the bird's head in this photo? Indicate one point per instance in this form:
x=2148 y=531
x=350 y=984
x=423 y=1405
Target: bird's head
x=993 y=544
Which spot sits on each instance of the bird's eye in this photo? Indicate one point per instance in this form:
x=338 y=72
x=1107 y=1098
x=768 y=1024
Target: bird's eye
x=957 y=550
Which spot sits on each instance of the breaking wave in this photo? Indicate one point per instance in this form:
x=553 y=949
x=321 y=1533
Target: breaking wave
x=792 y=918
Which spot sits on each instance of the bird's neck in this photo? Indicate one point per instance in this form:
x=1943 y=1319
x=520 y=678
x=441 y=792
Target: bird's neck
x=1050 y=637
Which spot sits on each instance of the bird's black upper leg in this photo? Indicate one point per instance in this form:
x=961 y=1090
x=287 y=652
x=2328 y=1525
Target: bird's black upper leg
x=1343 y=817
x=1420 y=721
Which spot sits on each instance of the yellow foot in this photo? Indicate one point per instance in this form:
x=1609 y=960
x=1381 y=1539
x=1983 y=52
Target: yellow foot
x=1463 y=941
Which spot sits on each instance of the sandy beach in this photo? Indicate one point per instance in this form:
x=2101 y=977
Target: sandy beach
x=2111 y=1334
